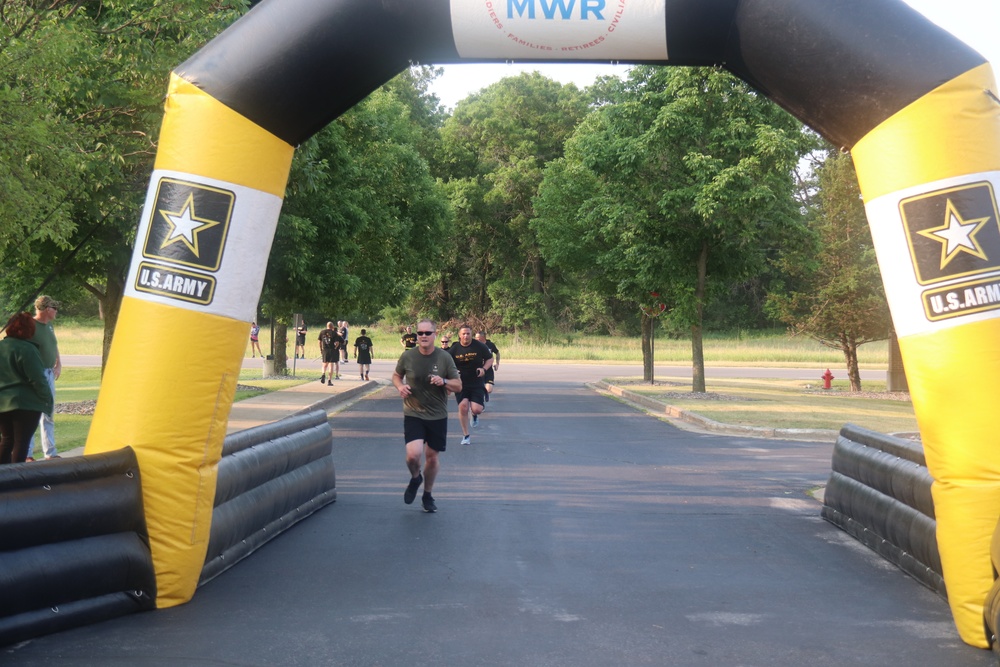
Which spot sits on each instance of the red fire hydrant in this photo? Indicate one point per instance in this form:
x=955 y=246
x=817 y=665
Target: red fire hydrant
x=827 y=376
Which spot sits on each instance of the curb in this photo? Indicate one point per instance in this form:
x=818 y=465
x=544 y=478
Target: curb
x=710 y=425
x=340 y=397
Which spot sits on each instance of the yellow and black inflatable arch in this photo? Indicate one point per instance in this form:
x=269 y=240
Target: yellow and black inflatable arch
x=918 y=108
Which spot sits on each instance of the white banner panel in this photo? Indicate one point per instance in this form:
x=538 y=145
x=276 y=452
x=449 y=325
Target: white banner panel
x=203 y=245
x=938 y=248
x=560 y=29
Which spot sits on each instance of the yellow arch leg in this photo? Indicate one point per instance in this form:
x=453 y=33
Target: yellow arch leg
x=196 y=275
x=929 y=176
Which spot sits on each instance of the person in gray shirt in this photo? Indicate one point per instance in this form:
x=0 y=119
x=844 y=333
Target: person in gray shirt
x=46 y=309
x=423 y=376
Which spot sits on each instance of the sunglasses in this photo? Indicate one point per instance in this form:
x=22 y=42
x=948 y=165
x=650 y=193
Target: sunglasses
x=425 y=333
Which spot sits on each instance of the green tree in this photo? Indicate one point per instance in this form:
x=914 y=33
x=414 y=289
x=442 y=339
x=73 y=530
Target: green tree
x=678 y=183
x=838 y=297
x=81 y=100
x=494 y=149
x=362 y=216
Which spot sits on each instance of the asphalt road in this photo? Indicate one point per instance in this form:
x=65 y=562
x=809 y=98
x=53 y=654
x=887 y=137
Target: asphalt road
x=573 y=531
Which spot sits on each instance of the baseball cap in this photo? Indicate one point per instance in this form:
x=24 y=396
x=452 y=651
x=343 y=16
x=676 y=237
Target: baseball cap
x=43 y=302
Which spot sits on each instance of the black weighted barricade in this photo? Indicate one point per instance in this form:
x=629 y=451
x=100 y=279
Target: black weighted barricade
x=880 y=493
x=270 y=478
x=73 y=544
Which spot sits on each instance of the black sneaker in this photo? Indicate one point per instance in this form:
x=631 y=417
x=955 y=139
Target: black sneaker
x=428 y=502
x=322 y=379
x=411 y=489
x=329 y=383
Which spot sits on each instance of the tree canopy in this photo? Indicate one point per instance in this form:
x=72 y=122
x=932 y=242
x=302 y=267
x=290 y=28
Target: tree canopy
x=494 y=149
x=81 y=100
x=679 y=183
x=835 y=292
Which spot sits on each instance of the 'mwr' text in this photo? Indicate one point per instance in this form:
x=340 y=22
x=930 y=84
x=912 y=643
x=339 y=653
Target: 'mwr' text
x=552 y=9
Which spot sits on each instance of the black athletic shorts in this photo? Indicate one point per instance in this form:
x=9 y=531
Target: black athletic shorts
x=331 y=355
x=474 y=394
x=434 y=432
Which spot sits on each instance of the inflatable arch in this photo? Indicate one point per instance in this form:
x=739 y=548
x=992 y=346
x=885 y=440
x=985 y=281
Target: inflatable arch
x=918 y=108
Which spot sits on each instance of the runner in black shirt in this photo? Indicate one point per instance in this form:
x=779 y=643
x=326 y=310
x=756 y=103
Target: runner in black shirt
x=330 y=343
x=409 y=339
x=490 y=374
x=473 y=359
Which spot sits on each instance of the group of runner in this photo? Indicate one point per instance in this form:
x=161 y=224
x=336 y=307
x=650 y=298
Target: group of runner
x=333 y=350
x=424 y=376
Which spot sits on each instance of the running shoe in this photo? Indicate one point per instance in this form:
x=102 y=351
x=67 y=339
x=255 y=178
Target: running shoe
x=475 y=421
x=411 y=489
x=322 y=378
x=429 y=506
x=329 y=383
x=466 y=440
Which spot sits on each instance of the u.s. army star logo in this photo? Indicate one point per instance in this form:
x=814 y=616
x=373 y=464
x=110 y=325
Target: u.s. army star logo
x=953 y=232
x=188 y=224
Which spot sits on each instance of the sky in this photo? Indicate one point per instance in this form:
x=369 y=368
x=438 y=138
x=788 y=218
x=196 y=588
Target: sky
x=975 y=22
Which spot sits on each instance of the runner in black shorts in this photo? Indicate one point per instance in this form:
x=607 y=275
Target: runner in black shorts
x=473 y=360
x=490 y=378
x=424 y=375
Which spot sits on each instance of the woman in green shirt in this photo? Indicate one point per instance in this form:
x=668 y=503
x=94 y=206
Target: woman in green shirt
x=24 y=389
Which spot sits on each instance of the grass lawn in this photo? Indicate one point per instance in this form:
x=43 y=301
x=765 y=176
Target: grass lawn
x=83 y=384
x=785 y=403
x=756 y=348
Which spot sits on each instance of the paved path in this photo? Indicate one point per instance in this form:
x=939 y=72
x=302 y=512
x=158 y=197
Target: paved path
x=574 y=531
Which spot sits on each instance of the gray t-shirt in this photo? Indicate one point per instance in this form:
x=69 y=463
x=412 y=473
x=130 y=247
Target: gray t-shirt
x=426 y=401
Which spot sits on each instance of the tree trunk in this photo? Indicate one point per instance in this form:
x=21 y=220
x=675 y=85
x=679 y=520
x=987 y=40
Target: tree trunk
x=647 y=348
x=280 y=348
x=896 y=374
x=539 y=286
x=484 y=283
x=853 y=372
x=111 y=304
x=697 y=344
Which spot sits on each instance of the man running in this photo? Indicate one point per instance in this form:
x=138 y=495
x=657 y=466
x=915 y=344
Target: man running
x=409 y=339
x=473 y=359
x=424 y=375
x=490 y=376
x=330 y=343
